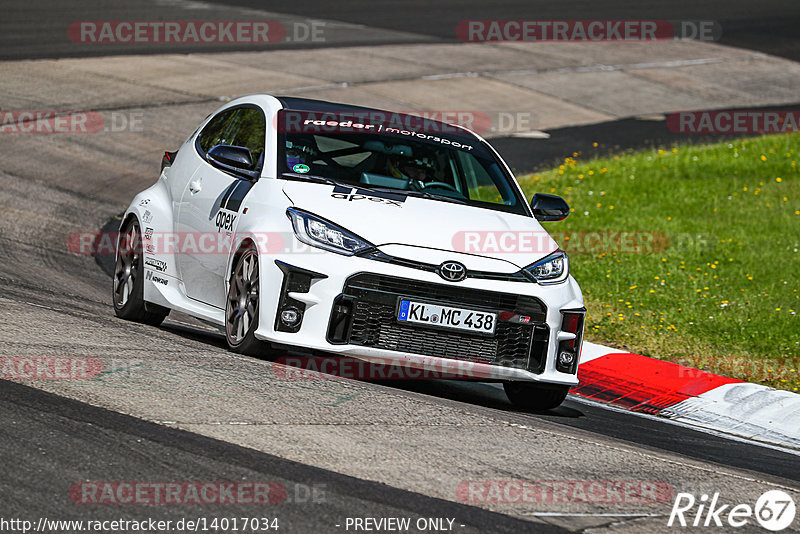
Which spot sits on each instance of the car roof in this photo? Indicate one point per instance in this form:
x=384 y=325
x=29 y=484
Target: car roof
x=310 y=104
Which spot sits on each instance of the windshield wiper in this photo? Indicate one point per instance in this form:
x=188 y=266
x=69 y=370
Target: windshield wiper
x=312 y=177
x=434 y=196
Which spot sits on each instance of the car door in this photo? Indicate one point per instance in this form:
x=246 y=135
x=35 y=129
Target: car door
x=211 y=203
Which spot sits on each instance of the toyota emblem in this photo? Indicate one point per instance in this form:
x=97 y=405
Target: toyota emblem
x=452 y=271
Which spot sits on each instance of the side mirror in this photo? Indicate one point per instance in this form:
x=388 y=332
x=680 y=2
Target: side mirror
x=549 y=207
x=235 y=160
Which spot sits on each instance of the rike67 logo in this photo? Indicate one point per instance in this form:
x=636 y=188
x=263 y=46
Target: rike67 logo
x=774 y=510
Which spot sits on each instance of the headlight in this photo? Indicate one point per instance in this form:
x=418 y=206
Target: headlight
x=550 y=270
x=318 y=232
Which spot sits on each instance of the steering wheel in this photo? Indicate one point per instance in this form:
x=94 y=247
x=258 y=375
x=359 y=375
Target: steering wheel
x=441 y=185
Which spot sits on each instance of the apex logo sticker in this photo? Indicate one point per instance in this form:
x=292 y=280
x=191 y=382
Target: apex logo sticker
x=350 y=194
x=225 y=220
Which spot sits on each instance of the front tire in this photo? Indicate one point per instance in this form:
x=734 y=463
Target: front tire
x=128 y=287
x=534 y=396
x=242 y=305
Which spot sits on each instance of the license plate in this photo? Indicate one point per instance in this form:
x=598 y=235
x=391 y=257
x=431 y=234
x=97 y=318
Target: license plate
x=446 y=317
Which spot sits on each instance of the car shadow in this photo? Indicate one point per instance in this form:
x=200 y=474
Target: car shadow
x=487 y=395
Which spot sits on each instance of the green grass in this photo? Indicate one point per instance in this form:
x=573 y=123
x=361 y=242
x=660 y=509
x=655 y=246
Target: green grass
x=715 y=283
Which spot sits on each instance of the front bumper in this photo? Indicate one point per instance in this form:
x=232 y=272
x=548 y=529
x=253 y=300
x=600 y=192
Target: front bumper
x=365 y=292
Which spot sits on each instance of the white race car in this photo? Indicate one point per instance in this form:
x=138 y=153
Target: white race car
x=334 y=229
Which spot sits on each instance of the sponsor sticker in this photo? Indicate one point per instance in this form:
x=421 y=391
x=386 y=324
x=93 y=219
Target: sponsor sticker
x=300 y=168
x=157 y=279
x=225 y=220
x=158 y=265
x=381 y=197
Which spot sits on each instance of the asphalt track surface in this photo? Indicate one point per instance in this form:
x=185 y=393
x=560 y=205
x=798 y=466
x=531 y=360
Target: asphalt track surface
x=769 y=26
x=37 y=29
x=84 y=441
x=49 y=441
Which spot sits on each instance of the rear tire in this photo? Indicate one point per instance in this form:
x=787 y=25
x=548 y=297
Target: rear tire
x=242 y=306
x=128 y=287
x=535 y=397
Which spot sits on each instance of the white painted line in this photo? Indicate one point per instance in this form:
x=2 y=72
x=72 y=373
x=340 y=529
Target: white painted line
x=533 y=134
x=577 y=514
x=590 y=351
x=621 y=66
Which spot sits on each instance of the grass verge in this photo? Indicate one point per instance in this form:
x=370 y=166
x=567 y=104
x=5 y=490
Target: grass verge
x=689 y=254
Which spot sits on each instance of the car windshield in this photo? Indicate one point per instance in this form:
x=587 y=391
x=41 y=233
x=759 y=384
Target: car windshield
x=441 y=166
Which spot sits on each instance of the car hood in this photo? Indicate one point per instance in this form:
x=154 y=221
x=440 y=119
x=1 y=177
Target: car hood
x=386 y=219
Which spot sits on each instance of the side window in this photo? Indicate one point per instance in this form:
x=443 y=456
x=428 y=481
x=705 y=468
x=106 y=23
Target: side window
x=481 y=185
x=239 y=127
x=214 y=131
x=248 y=129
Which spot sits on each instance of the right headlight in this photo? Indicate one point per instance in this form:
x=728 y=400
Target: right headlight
x=318 y=232
x=550 y=270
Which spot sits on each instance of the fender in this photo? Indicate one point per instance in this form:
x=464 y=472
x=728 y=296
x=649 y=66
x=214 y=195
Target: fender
x=263 y=221
x=153 y=209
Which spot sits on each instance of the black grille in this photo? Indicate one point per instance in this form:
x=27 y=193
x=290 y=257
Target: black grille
x=374 y=299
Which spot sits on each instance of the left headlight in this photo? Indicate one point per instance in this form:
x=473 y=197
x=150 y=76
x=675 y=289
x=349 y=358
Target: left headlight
x=550 y=270
x=318 y=232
